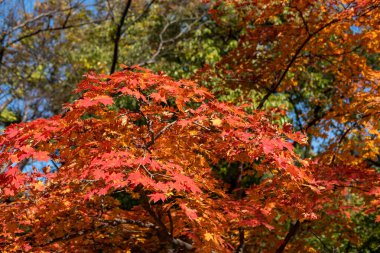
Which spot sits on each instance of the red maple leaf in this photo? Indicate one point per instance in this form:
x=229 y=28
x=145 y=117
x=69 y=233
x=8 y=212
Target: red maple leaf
x=87 y=102
x=191 y=213
x=155 y=197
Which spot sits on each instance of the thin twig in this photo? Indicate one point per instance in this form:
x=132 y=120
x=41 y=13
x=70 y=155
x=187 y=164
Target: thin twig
x=163 y=41
x=293 y=59
x=49 y=29
x=323 y=244
x=303 y=18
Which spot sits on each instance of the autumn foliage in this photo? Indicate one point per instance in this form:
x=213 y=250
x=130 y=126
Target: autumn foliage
x=154 y=141
x=145 y=163
x=317 y=54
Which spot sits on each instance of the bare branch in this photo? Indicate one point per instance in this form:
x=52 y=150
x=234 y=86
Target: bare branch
x=163 y=41
x=55 y=164
x=202 y=126
x=111 y=13
x=164 y=129
x=303 y=18
x=156 y=136
x=118 y=36
x=323 y=244
x=182 y=244
x=38 y=17
x=5 y=104
x=147 y=171
x=132 y=222
x=144 y=12
x=342 y=137
x=50 y=29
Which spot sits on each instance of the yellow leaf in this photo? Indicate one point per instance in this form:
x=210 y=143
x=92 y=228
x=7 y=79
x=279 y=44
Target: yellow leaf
x=192 y=133
x=67 y=190
x=216 y=122
x=209 y=236
x=135 y=195
x=39 y=186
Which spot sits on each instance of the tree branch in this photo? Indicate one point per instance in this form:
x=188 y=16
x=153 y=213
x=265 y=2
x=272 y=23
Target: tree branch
x=291 y=233
x=165 y=41
x=323 y=244
x=5 y=104
x=38 y=17
x=165 y=236
x=153 y=136
x=240 y=248
x=374 y=162
x=303 y=19
x=182 y=244
x=118 y=36
x=293 y=59
x=48 y=29
x=342 y=137
x=132 y=222
x=143 y=13
x=170 y=222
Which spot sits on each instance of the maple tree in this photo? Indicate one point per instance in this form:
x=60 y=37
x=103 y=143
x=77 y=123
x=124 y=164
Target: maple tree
x=319 y=61
x=317 y=55
x=145 y=163
x=153 y=142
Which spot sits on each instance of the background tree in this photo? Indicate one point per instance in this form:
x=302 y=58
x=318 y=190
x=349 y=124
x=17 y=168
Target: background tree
x=316 y=59
x=48 y=45
x=324 y=73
